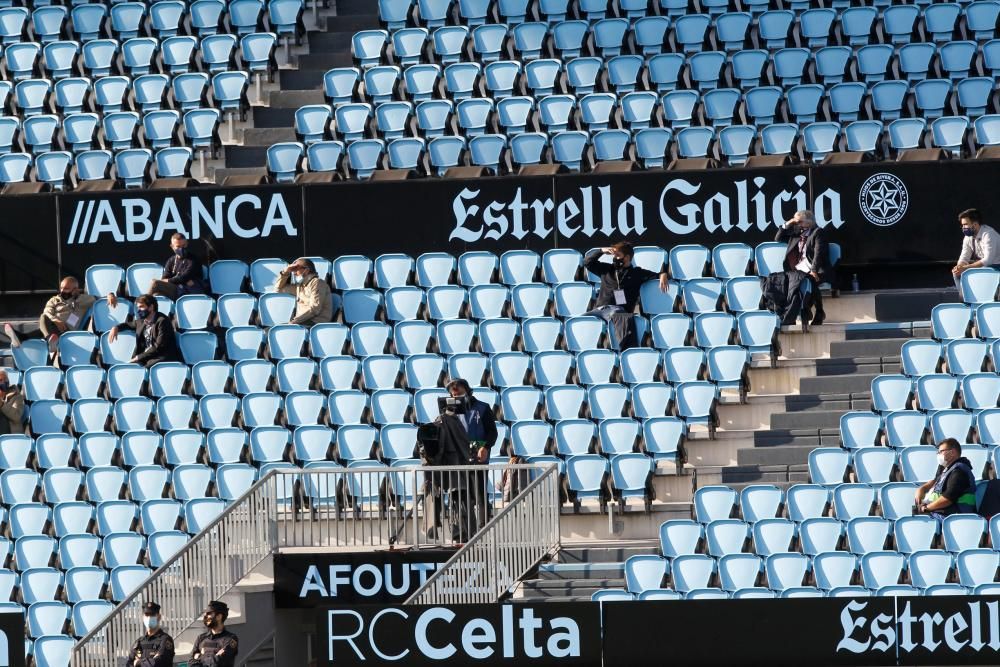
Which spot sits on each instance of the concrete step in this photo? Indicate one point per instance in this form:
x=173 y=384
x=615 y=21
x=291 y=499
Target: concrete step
x=778 y=474
x=840 y=384
x=325 y=61
x=358 y=8
x=267 y=117
x=904 y=305
x=571 y=588
x=826 y=418
x=603 y=554
x=222 y=174
x=246 y=156
x=851 y=365
x=293 y=99
x=300 y=79
x=786 y=455
x=265 y=136
x=879 y=347
x=330 y=42
x=352 y=23
x=580 y=571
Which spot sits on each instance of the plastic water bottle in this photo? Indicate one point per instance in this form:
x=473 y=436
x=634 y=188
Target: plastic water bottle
x=855 y=286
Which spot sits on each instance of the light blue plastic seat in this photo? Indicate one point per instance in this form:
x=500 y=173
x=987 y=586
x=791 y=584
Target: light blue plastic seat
x=30 y=96
x=808 y=501
x=690 y=31
x=956 y=58
x=790 y=66
x=529 y=39
x=38 y=132
x=761 y=104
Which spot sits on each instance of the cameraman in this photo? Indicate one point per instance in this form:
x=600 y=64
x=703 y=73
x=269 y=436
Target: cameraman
x=481 y=426
x=479 y=422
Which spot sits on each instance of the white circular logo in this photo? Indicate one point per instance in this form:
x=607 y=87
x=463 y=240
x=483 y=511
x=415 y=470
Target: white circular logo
x=883 y=199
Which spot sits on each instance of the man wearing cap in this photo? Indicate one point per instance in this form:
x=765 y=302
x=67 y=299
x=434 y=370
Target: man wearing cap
x=217 y=647
x=155 y=648
x=312 y=295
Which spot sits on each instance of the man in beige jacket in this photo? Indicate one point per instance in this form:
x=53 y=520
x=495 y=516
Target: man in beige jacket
x=65 y=311
x=312 y=295
x=11 y=406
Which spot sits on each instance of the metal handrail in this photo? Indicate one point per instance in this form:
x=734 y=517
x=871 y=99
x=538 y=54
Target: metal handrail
x=508 y=547
x=304 y=508
x=110 y=638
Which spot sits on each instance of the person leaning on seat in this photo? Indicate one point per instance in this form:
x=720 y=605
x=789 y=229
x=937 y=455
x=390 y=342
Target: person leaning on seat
x=980 y=247
x=621 y=281
x=155 y=339
x=313 y=304
x=953 y=489
x=182 y=272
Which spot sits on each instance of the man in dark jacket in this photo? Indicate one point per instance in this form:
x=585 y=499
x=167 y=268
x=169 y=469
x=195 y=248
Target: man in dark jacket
x=216 y=647
x=809 y=254
x=621 y=281
x=155 y=648
x=155 y=340
x=182 y=272
x=953 y=489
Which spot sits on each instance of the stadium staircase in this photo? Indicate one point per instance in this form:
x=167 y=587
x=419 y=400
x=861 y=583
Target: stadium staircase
x=791 y=410
x=298 y=83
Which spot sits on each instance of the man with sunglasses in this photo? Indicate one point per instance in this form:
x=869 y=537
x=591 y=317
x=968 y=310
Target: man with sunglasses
x=953 y=489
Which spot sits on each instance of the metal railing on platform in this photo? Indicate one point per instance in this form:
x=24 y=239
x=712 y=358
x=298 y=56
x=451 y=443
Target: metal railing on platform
x=327 y=507
x=511 y=544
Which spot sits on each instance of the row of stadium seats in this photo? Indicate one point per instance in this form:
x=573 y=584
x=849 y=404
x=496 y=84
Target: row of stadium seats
x=149 y=92
x=622 y=75
x=160 y=20
x=652 y=148
x=826 y=571
x=136 y=56
x=397 y=14
x=608 y=39
x=755 y=330
x=906 y=428
x=470 y=269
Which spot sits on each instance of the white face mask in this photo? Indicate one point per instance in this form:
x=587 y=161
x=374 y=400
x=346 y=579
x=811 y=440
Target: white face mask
x=940 y=459
x=151 y=622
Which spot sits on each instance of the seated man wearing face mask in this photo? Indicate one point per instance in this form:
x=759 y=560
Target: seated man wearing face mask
x=155 y=340
x=953 y=489
x=65 y=311
x=621 y=281
x=155 y=648
x=182 y=272
x=980 y=245
x=11 y=406
x=217 y=647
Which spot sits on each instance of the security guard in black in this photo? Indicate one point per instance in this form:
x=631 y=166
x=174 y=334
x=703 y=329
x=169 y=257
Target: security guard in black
x=155 y=648
x=217 y=647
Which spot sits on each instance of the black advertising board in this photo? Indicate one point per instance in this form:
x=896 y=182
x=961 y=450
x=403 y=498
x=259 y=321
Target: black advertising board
x=29 y=244
x=323 y=579
x=135 y=226
x=909 y=211
x=12 y=639
x=669 y=208
x=882 y=215
x=551 y=633
x=430 y=215
x=952 y=630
